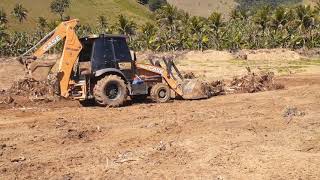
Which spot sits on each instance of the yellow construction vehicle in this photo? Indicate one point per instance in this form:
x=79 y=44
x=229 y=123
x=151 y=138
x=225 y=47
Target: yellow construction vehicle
x=101 y=69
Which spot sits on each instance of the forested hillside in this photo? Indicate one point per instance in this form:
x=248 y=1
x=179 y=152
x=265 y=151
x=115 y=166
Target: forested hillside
x=85 y=10
x=273 y=25
x=205 y=7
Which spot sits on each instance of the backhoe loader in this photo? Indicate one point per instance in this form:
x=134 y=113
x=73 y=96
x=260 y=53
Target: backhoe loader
x=101 y=69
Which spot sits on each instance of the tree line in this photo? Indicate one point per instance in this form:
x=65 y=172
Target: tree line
x=173 y=29
x=261 y=27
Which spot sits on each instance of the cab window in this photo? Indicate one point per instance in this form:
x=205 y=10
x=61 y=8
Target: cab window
x=121 y=49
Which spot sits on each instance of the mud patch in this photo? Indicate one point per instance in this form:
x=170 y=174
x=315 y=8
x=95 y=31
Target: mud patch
x=75 y=130
x=78 y=134
x=74 y=135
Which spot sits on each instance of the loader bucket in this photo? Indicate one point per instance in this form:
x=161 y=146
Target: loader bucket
x=194 y=89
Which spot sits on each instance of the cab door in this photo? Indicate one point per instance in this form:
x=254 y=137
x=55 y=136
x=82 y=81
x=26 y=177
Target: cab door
x=103 y=55
x=123 y=56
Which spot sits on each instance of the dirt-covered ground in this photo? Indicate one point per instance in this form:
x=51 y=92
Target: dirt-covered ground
x=266 y=135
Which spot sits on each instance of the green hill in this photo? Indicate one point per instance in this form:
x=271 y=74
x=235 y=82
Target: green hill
x=88 y=10
x=205 y=7
x=85 y=10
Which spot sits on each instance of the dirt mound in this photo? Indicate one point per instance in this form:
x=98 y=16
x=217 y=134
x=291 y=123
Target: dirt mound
x=268 y=54
x=31 y=87
x=27 y=91
x=255 y=82
x=310 y=53
x=250 y=83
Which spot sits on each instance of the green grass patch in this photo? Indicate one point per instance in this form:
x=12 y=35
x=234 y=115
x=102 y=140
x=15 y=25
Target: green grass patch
x=238 y=62
x=85 y=10
x=315 y=62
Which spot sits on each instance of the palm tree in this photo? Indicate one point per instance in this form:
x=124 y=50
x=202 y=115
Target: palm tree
x=305 y=17
x=167 y=15
x=279 y=18
x=317 y=7
x=3 y=40
x=184 y=30
x=41 y=26
x=84 y=30
x=3 y=17
x=239 y=13
x=184 y=17
x=125 y=26
x=59 y=7
x=148 y=35
x=215 y=23
x=102 y=22
x=168 y=20
x=42 y=22
x=262 y=17
x=306 y=21
x=198 y=29
x=20 y=12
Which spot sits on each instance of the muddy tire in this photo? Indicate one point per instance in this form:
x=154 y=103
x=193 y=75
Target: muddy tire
x=160 y=93
x=110 y=91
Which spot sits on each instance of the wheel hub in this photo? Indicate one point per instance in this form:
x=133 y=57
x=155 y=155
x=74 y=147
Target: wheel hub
x=162 y=93
x=112 y=91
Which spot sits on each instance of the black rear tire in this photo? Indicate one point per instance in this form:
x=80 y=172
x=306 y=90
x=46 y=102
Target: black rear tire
x=160 y=93
x=110 y=91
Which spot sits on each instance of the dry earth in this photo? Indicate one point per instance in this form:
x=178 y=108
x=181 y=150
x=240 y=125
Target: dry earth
x=268 y=135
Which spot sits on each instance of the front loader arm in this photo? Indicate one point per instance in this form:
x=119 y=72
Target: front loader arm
x=164 y=74
x=71 y=50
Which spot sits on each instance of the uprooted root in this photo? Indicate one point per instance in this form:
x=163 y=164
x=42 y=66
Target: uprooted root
x=216 y=88
x=255 y=82
x=189 y=75
x=250 y=83
x=31 y=87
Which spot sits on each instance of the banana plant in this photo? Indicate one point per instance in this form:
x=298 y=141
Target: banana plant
x=20 y=13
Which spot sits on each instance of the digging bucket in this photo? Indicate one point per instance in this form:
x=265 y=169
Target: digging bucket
x=40 y=70
x=194 y=89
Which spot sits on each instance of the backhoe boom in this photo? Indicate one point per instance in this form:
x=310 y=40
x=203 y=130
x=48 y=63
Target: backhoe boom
x=71 y=50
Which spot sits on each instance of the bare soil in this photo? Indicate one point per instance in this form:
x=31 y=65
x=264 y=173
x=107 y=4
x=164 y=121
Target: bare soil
x=265 y=135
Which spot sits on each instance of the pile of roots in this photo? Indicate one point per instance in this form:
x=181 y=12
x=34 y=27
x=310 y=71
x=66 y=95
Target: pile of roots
x=31 y=87
x=189 y=75
x=250 y=83
x=216 y=88
x=30 y=90
x=254 y=82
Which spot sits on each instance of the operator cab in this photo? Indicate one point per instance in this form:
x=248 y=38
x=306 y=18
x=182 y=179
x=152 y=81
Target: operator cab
x=105 y=52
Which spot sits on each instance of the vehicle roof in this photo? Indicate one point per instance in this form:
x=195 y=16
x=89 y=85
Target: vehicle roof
x=95 y=36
